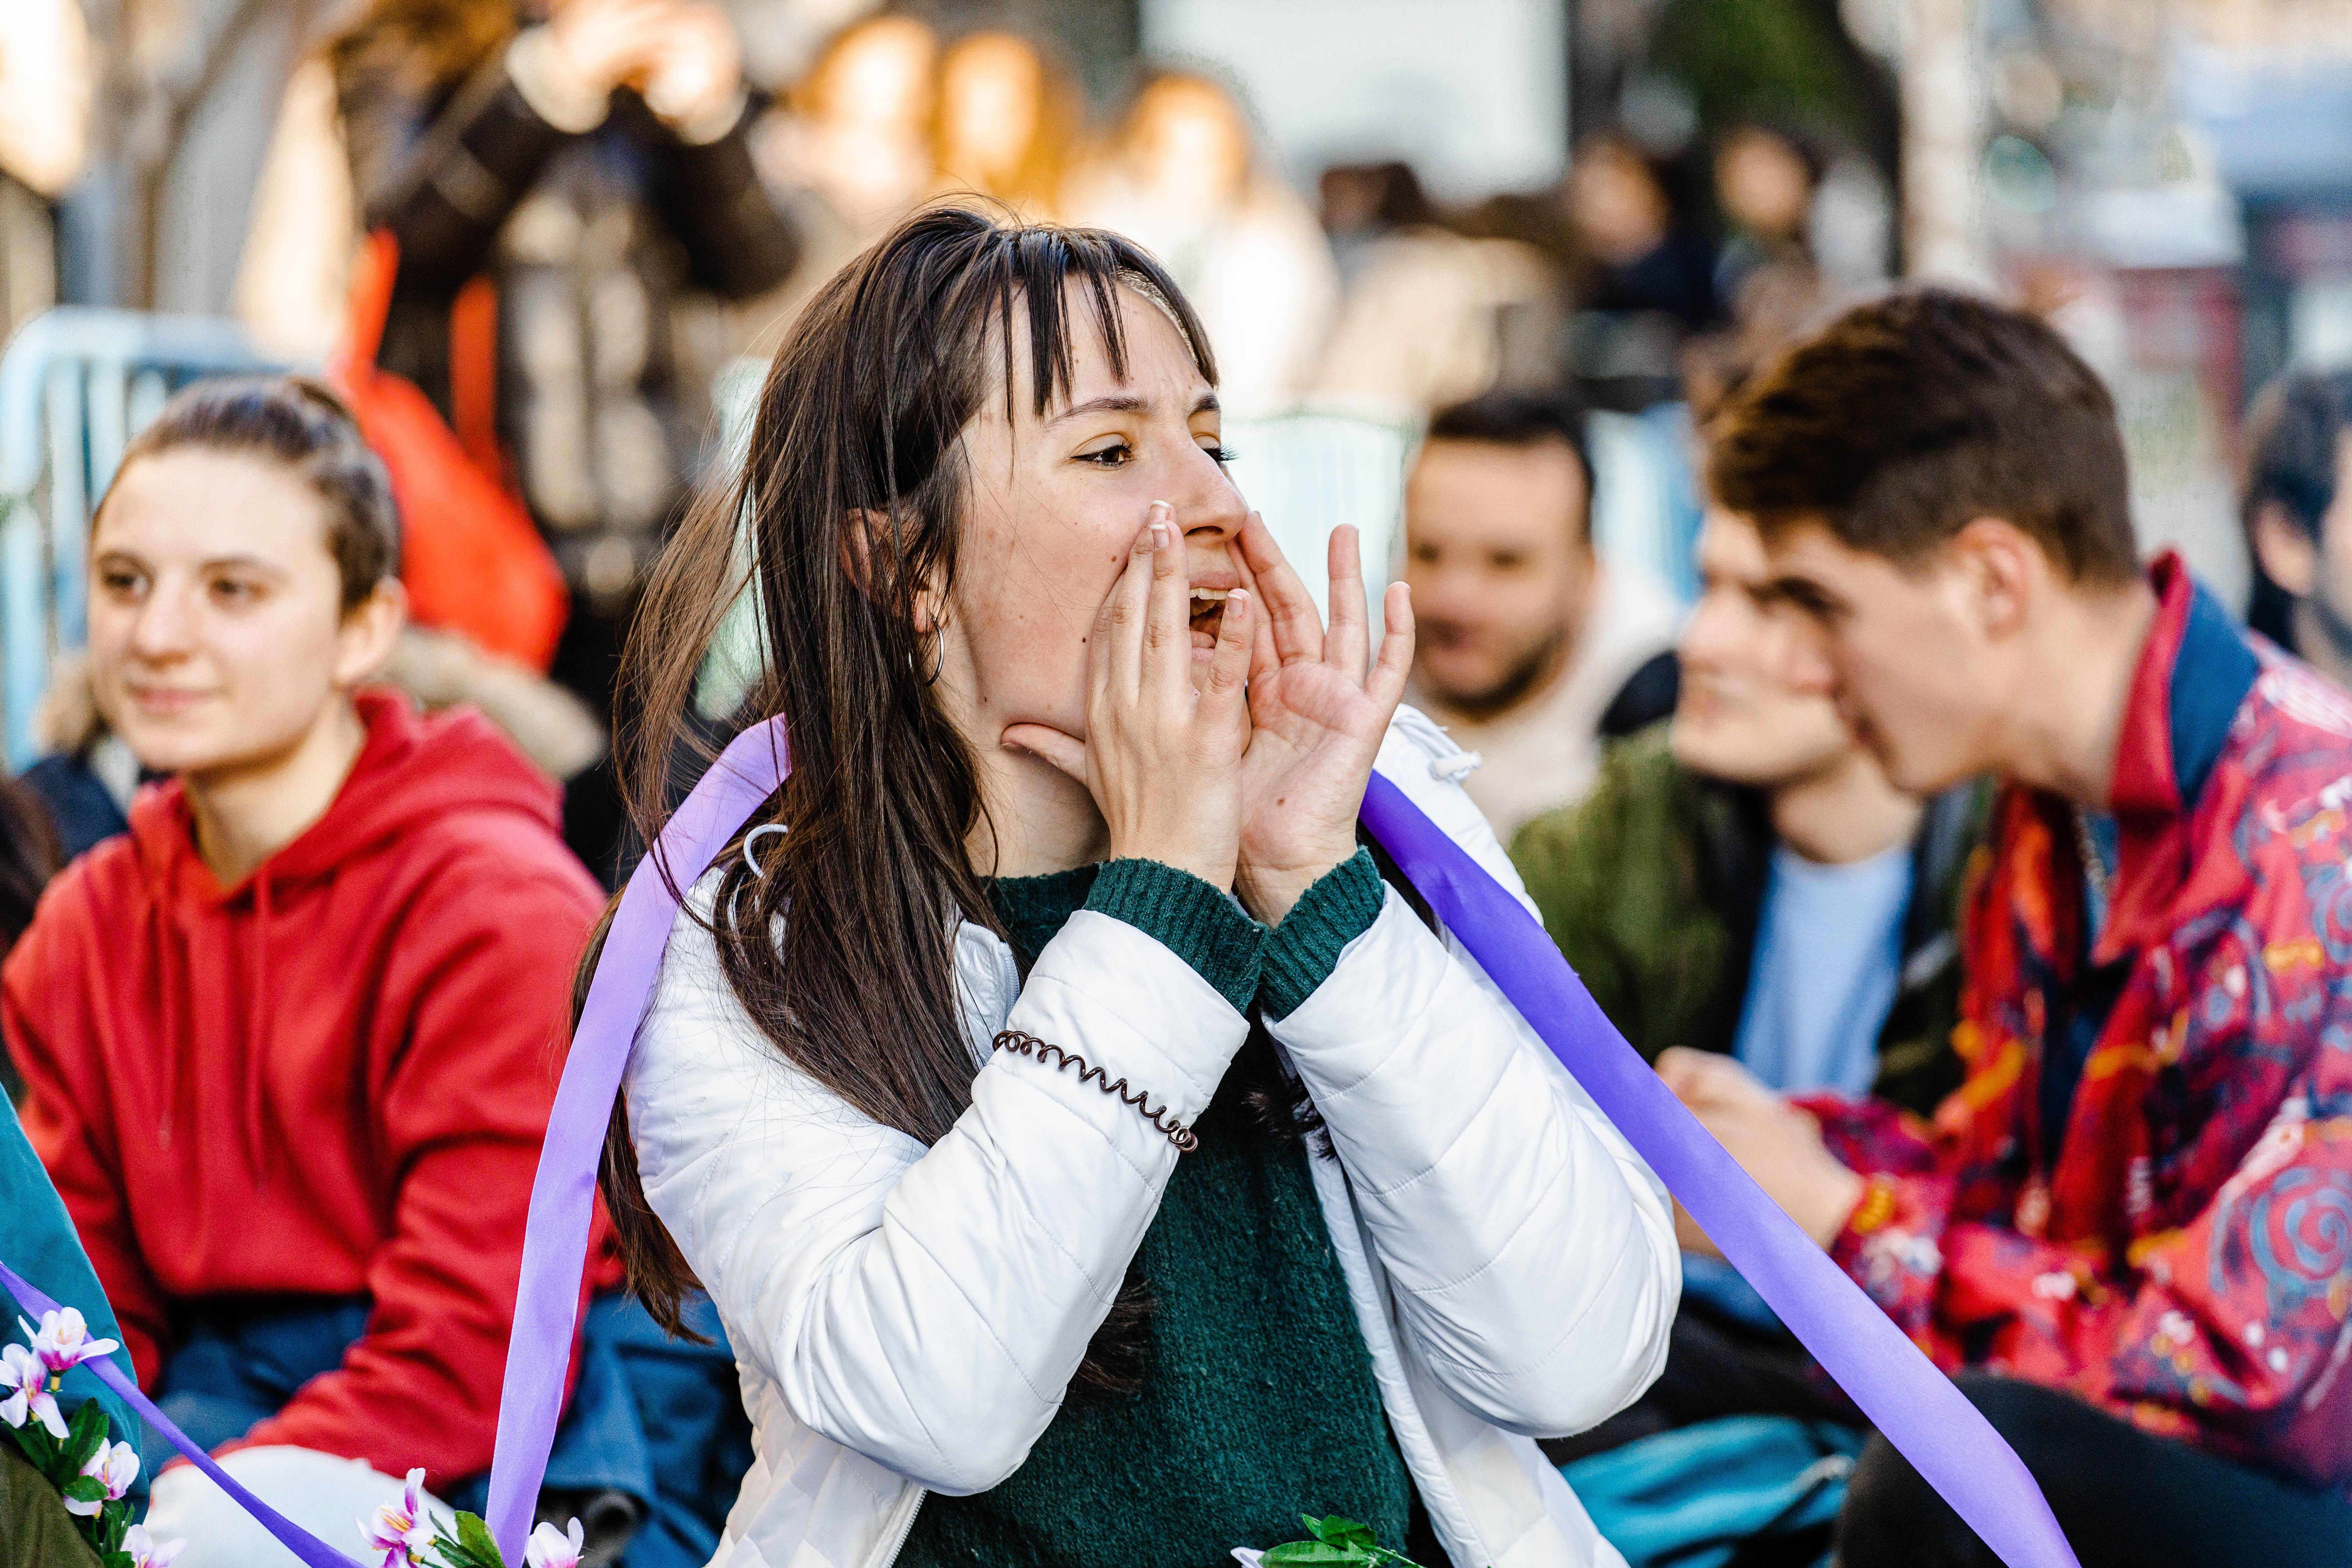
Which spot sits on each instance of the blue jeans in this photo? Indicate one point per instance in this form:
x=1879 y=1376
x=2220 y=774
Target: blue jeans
x=656 y=1419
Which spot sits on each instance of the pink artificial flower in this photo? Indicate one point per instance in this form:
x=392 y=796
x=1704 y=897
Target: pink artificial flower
x=63 y=1342
x=549 y=1548
x=116 y=1466
x=145 y=1552
x=401 y=1529
x=27 y=1382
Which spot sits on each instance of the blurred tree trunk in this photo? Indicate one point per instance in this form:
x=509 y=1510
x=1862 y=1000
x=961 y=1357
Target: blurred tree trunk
x=162 y=67
x=1942 y=74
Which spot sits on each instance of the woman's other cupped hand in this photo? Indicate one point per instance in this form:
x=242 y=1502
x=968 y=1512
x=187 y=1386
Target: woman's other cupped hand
x=1318 y=707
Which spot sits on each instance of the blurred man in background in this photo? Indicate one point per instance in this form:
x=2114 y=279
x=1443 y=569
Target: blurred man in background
x=1530 y=649
x=1743 y=880
x=2298 y=512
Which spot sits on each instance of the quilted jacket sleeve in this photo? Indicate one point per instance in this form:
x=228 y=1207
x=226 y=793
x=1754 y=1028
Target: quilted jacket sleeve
x=1530 y=1251
x=925 y=1308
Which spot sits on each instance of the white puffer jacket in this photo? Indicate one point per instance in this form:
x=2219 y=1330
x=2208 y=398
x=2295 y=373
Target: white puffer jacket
x=906 y=1320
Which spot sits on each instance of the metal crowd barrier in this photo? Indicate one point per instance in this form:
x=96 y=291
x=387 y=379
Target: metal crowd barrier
x=75 y=383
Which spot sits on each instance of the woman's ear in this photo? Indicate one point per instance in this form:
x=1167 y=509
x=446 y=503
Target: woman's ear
x=2289 y=555
x=859 y=532
x=364 y=641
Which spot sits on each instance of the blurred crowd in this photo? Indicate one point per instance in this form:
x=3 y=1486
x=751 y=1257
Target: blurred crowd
x=591 y=216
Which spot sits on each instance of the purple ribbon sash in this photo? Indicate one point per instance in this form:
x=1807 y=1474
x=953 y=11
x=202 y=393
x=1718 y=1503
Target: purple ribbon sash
x=555 y=1245
x=1928 y=1420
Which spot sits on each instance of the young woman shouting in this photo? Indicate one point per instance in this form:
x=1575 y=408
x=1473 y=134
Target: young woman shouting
x=1074 y=774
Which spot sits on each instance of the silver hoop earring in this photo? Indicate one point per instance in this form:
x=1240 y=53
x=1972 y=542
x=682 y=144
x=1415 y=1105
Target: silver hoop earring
x=752 y=837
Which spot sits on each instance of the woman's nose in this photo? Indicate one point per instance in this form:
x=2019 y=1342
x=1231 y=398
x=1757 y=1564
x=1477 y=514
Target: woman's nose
x=159 y=627
x=1208 y=505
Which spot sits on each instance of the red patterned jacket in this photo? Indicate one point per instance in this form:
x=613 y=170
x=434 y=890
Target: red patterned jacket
x=2186 y=1259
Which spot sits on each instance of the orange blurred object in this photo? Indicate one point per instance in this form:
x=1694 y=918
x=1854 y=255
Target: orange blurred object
x=470 y=557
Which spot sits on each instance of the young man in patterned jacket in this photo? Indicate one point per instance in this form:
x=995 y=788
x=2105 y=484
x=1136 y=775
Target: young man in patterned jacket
x=2129 y=1232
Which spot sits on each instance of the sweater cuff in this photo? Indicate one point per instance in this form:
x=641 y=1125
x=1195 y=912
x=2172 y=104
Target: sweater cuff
x=1302 y=951
x=1188 y=917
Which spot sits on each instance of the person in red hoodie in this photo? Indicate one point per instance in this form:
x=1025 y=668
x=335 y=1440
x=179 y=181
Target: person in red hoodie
x=291 y=1044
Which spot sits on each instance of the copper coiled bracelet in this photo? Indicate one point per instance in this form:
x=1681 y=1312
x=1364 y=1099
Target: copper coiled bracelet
x=1054 y=1056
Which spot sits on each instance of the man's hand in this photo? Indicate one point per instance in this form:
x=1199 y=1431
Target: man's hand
x=1777 y=1144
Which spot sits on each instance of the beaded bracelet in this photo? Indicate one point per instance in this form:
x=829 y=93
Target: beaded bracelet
x=1054 y=1056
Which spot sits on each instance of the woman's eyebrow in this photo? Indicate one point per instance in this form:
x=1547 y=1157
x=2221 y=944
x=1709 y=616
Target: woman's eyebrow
x=243 y=564
x=1118 y=404
x=1126 y=403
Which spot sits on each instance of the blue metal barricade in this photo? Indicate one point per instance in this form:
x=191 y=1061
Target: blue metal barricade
x=75 y=383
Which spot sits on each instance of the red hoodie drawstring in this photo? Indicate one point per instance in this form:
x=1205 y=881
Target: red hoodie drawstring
x=175 y=1011
x=257 y=1033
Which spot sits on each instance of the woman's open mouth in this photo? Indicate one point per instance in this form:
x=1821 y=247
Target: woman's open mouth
x=1208 y=614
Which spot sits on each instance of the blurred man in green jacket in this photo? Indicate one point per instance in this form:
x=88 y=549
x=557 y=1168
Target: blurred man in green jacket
x=1742 y=878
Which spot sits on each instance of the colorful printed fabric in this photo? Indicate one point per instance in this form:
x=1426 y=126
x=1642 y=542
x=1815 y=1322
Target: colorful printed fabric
x=2186 y=1261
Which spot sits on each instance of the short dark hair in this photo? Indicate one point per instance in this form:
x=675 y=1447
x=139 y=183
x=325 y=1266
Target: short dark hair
x=1524 y=417
x=2294 y=438
x=1911 y=415
x=304 y=426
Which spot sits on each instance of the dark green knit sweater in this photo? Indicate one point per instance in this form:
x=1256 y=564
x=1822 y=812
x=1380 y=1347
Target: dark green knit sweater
x=1258 y=1401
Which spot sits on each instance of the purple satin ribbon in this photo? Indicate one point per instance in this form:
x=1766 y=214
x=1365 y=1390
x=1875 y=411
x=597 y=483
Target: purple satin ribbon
x=555 y=1245
x=292 y=1536
x=1919 y=1410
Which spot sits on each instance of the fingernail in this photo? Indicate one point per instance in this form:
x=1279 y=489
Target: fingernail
x=1158 y=534
x=1160 y=512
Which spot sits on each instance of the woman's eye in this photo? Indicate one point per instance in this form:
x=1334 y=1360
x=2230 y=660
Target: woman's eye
x=1114 y=456
x=1219 y=451
x=119 y=583
x=230 y=592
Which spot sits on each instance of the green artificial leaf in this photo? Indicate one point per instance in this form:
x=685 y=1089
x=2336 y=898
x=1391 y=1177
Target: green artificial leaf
x=475 y=1537
x=1297 y=1552
x=36 y=1443
x=1338 y=1532
x=471 y=1547
x=115 y=1559
x=84 y=1488
x=103 y=1530
x=84 y=1433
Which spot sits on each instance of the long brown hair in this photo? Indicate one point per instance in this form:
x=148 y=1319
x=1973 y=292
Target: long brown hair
x=852 y=501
